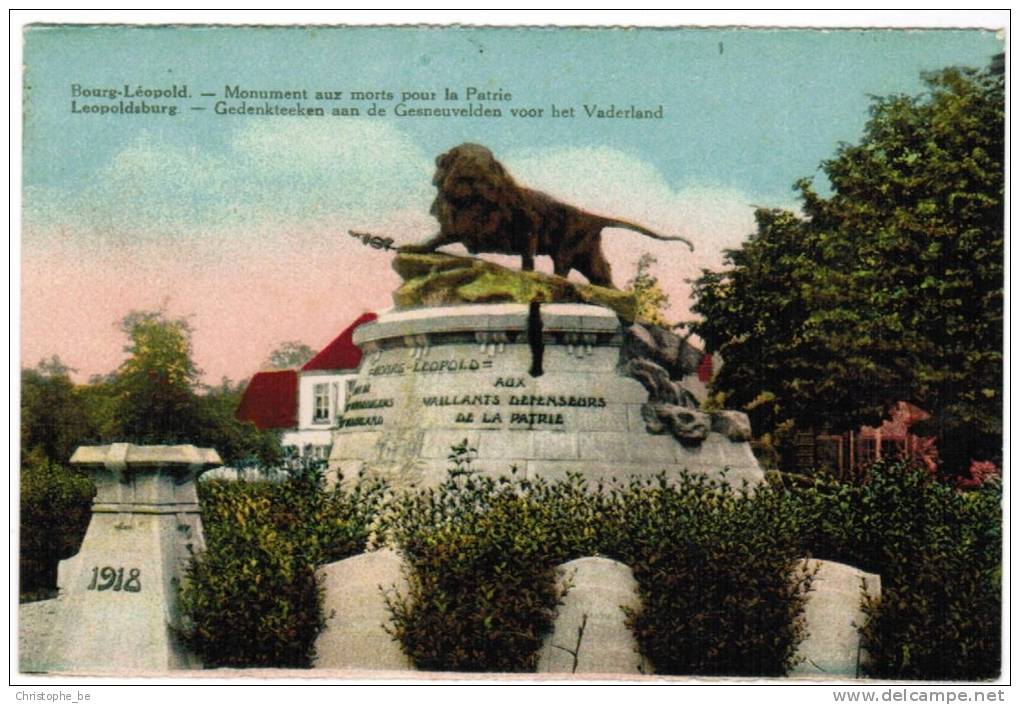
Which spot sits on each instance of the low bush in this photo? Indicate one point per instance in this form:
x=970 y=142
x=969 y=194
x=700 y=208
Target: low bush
x=482 y=552
x=938 y=552
x=716 y=570
x=55 y=509
x=252 y=597
x=720 y=576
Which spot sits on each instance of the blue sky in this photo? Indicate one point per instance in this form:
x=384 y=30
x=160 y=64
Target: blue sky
x=228 y=218
x=754 y=109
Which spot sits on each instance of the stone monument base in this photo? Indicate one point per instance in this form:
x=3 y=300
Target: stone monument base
x=355 y=637
x=543 y=389
x=117 y=611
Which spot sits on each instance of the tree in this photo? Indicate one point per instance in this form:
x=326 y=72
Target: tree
x=239 y=443
x=100 y=400
x=54 y=501
x=889 y=289
x=652 y=301
x=158 y=397
x=153 y=397
x=792 y=352
x=289 y=355
x=54 y=414
x=155 y=387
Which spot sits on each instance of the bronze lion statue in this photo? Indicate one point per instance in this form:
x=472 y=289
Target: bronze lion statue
x=480 y=205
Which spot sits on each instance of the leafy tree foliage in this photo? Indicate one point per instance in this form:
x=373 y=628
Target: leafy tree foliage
x=158 y=399
x=652 y=301
x=889 y=289
x=939 y=552
x=154 y=387
x=55 y=416
x=154 y=397
x=719 y=573
x=55 y=501
x=252 y=597
x=290 y=354
x=100 y=402
x=716 y=569
x=239 y=443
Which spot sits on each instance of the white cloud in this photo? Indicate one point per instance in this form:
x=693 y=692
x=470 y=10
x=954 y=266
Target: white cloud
x=612 y=183
x=352 y=166
x=291 y=185
x=269 y=173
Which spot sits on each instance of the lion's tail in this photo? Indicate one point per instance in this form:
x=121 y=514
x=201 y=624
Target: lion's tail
x=611 y=223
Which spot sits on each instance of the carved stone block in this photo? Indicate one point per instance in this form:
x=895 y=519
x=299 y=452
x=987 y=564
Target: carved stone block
x=118 y=604
x=590 y=634
x=355 y=638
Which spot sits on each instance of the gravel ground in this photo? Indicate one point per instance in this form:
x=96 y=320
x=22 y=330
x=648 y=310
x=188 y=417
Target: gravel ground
x=35 y=625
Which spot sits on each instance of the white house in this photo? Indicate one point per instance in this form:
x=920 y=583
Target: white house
x=306 y=403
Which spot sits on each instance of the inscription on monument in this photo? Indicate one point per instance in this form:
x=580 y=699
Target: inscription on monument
x=462 y=400
x=110 y=578
x=458 y=365
x=533 y=419
x=509 y=382
x=518 y=417
x=557 y=400
x=463 y=364
x=368 y=404
x=352 y=404
x=482 y=414
x=361 y=421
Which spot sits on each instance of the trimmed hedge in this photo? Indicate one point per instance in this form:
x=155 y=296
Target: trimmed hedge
x=720 y=576
x=55 y=509
x=717 y=569
x=482 y=552
x=252 y=596
x=939 y=553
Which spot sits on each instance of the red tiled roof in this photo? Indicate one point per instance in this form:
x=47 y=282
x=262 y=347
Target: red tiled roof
x=270 y=400
x=342 y=353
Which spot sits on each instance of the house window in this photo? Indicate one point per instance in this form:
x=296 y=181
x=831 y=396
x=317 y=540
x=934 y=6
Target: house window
x=320 y=413
x=314 y=452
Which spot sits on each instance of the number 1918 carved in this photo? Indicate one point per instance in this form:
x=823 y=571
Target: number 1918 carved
x=110 y=578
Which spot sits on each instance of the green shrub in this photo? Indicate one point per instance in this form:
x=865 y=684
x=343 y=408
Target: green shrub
x=715 y=568
x=720 y=578
x=938 y=552
x=482 y=590
x=718 y=570
x=252 y=596
x=55 y=509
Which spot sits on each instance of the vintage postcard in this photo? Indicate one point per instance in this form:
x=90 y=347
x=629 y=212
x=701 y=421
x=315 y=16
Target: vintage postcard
x=641 y=354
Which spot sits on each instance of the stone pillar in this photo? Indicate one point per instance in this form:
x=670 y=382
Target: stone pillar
x=354 y=638
x=832 y=615
x=590 y=634
x=118 y=594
